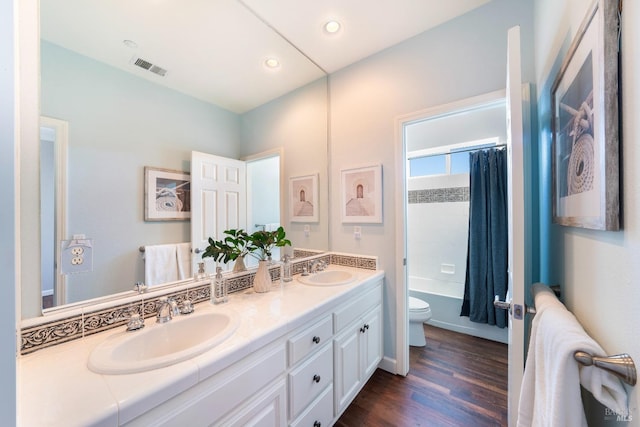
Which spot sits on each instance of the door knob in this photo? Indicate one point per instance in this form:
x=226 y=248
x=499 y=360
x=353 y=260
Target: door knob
x=501 y=304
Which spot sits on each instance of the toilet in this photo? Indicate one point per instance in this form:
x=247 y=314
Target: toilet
x=419 y=312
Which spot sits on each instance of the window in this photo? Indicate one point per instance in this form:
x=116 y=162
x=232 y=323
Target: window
x=449 y=160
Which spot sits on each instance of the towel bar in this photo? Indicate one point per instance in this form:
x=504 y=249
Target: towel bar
x=141 y=249
x=620 y=365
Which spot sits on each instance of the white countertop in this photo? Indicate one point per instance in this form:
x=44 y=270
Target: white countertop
x=56 y=388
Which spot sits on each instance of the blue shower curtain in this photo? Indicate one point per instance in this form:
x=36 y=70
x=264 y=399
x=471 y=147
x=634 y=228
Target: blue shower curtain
x=487 y=249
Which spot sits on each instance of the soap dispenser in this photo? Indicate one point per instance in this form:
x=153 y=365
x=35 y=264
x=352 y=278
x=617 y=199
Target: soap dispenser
x=201 y=275
x=286 y=268
x=219 y=288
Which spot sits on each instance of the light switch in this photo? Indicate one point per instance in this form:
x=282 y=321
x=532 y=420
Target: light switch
x=357 y=232
x=307 y=230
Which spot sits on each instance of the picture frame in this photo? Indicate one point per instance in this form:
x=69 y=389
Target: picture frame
x=361 y=194
x=585 y=127
x=167 y=194
x=303 y=198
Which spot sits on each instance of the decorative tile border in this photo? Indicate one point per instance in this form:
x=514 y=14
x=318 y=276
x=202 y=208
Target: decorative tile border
x=51 y=333
x=76 y=326
x=439 y=195
x=303 y=253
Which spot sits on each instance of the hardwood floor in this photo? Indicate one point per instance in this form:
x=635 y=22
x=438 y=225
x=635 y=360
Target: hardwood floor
x=456 y=380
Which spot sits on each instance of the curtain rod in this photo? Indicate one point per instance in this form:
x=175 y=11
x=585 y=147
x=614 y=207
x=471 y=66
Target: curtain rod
x=459 y=151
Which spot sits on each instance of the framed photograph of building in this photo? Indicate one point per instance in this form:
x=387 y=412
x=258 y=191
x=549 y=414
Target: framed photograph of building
x=361 y=195
x=585 y=145
x=167 y=194
x=303 y=198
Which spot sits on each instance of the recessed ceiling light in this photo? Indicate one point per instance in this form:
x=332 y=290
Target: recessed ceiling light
x=271 y=63
x=332 y=27
x=130 y=43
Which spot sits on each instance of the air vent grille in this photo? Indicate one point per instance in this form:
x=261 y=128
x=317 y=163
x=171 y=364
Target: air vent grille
x=149 y=66
x=158 y=70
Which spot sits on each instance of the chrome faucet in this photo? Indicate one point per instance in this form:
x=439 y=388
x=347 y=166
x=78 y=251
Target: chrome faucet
x=317 y=265
x=164 y=309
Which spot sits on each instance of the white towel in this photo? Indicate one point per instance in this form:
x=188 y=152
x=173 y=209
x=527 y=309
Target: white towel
x=160 y=264
x=184 y=260
x=272 y=226
x=550 y=394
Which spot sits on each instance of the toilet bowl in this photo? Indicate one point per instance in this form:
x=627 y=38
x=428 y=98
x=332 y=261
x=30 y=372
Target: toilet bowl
x=419 y=312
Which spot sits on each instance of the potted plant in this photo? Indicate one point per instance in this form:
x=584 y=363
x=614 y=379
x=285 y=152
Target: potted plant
x=263 y=243
x=234 y=247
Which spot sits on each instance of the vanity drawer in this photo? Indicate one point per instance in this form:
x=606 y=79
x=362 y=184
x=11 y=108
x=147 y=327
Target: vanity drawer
x=309 y=379
x=309 y=340
x=319 y=413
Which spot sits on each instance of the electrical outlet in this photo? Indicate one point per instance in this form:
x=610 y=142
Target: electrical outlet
x=357 y=232
x=76 y=255
x=307 y=230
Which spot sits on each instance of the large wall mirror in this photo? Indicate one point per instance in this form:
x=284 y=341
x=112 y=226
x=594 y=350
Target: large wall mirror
x=138 y=84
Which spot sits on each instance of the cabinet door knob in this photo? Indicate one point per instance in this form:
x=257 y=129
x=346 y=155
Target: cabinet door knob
x=366 y=326
x=363 y=330
x=316 y=339
x=316 y=378
x=317 y=424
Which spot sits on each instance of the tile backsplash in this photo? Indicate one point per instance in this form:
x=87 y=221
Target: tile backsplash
x=47 y=331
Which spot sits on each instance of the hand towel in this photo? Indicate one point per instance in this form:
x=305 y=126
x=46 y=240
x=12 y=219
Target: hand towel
x=160 y=264
x=184 y=260
x=550 y=394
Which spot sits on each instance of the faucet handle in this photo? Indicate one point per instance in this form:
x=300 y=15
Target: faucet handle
x=187 y=307
x=140 y=287
x=135 y=322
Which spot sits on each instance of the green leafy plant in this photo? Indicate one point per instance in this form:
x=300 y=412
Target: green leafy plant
x=265 y=241
x=237 y=243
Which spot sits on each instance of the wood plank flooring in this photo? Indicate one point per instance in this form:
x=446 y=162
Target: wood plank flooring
x=456 y=380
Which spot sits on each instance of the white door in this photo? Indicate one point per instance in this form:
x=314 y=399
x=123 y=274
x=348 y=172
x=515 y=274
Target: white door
x=515 y=185
x=218 y=201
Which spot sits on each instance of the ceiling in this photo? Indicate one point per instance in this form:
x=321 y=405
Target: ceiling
x=214 y=50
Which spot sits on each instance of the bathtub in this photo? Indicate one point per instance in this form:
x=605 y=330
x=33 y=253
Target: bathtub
x=445 y=300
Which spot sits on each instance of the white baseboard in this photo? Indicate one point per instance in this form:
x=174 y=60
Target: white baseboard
x=388 y=364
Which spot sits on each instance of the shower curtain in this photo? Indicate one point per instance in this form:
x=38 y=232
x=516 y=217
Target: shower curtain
x=487 y=248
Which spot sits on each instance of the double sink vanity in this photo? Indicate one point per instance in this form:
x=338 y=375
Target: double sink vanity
x=296 y=355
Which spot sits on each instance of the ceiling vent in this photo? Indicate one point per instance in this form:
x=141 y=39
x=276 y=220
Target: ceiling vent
x=148 y=66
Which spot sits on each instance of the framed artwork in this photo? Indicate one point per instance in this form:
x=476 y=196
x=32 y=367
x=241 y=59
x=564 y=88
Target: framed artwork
x=584 y=97
x=167 y=195
x=361 y=197
x=303 y=198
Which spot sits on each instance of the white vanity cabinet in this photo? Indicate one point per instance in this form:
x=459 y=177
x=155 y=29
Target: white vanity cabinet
x=249 y=392
x=311 y=374
x=298 y=358
x=357 y=345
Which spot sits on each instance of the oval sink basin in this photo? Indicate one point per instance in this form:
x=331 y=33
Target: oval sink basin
x=160 y=345
x=328 y=278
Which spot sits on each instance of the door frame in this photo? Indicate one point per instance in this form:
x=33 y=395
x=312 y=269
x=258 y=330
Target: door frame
x=275 y=152
x=60 y=157
x=402 y=292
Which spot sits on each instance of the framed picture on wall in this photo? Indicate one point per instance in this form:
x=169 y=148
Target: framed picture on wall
x=584 y=99
x=361 y=196
x=167 y=194
x=303 y=198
